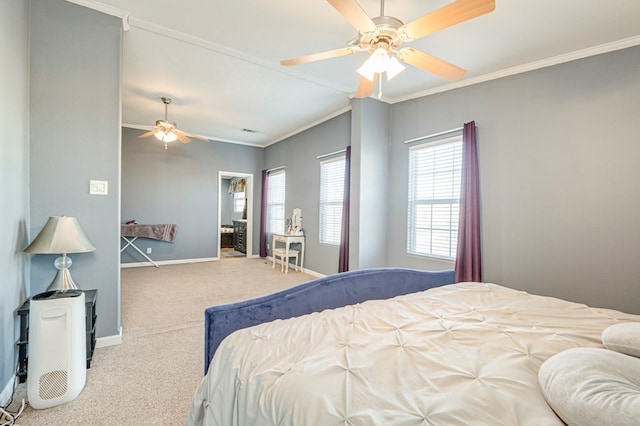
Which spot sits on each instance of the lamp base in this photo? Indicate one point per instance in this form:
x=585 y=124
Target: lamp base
x=63 y=281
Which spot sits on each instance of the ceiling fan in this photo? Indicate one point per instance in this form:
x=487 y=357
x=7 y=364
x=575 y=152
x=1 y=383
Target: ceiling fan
x=382 y=37
x=166 y=130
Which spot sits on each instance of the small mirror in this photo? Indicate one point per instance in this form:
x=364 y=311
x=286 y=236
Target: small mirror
x=296 y=222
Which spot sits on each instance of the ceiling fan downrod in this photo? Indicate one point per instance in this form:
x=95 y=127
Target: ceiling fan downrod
x=166 y=102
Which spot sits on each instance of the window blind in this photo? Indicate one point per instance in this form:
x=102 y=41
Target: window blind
x=275 y=202
x=331 y=197
x=435 y=171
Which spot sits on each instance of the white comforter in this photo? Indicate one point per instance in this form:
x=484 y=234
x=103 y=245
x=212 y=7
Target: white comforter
x=463 y=354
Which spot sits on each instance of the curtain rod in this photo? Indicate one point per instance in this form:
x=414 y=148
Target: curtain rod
x=434 y=135
x=331 y=153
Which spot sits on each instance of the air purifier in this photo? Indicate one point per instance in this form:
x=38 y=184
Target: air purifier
x=57 y=368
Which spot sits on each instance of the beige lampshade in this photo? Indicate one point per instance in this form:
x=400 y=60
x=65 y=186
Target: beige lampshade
x=60 y=235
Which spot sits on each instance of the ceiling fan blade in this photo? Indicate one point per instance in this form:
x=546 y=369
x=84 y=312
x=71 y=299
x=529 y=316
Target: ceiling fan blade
x=182 y=138
x=320 y=56
x=365 y=88
x=431 y=64
x=191 y=135
x=451 y=14
x=354 y=14
x=146 y=135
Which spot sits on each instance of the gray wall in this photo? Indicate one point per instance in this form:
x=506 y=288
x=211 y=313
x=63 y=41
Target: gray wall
x=75 y=137
x=558 y=150
x=298 y=154
x=14 y=179
x=180 y=185
x=369 y=176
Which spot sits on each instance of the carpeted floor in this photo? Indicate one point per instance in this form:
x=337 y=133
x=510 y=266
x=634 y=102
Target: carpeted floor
x=149 y=379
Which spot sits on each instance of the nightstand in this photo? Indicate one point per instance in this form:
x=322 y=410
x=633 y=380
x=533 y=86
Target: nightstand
x=23 y=342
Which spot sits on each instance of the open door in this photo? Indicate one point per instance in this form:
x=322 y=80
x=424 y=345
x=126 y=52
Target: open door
x=235 y=214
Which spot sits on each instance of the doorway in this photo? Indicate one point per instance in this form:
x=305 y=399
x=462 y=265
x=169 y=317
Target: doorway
x=235 y=214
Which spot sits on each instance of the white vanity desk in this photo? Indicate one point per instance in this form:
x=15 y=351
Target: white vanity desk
x=288 y=239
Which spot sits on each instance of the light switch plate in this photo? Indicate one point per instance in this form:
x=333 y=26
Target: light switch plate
x=98 y=187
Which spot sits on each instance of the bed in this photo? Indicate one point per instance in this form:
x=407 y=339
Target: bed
x=419 y=350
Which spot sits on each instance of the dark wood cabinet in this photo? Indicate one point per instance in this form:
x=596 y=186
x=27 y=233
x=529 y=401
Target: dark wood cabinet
x=240 y=235
x=226 y=239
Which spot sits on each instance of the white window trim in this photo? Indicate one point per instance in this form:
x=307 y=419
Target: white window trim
x=338 y=201
x=411 y=226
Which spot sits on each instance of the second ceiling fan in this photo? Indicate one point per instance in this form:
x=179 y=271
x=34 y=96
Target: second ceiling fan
x=166 y=131
x=382 y=37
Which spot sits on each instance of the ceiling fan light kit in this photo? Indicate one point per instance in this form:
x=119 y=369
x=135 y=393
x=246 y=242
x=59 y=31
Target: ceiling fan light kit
x=382 y=37
x=166 y=131
x=162 y=134
x=380 y=62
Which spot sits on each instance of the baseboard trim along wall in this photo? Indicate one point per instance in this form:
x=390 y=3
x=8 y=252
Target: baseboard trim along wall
x=313 y=273
x=116 y=339
x=205 y=259
x=306 y=271
x=167 y=262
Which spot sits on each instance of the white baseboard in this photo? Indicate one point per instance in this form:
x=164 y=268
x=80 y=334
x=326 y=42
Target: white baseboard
x=167 y=262
x=5 y=395
x=314 y=273
x=205 y=259
x=306 y=271
x=101 y=342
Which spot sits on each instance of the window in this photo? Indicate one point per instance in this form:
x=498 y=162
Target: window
x=275 y=202
x=239 y=199
x=331 y=195
x=435 y=171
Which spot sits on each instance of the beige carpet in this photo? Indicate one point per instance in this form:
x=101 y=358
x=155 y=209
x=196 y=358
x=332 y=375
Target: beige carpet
x=149 y=379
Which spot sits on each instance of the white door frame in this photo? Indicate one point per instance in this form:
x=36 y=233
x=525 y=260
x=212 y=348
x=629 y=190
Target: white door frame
x=249 y=194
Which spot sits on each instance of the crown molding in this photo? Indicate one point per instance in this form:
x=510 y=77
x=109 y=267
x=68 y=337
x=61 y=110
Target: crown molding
x=531 y=66
x=109 y=10
x=310 y=125
x=211 y=138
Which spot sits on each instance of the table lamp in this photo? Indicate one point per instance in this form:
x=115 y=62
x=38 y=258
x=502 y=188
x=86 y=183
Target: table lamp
x=61 y=235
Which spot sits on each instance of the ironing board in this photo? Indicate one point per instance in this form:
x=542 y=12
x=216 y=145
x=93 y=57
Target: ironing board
x=162 y=232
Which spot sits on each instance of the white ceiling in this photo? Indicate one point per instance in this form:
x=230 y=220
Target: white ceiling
x=219 y=61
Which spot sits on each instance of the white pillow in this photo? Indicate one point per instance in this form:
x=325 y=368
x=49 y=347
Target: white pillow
x=592 y=386
x=623 y=337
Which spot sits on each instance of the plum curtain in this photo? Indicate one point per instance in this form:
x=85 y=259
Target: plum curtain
x=469 y=253
x=263 y=214
x=343 y=257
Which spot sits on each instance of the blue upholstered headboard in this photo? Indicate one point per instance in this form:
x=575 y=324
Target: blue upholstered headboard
x=328 y=292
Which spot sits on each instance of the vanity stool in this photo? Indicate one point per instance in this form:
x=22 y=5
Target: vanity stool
x=282 y=254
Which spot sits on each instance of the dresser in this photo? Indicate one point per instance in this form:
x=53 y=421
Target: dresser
x=240 y=235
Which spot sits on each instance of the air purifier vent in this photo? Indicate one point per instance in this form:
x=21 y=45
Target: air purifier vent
x=53 y=384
